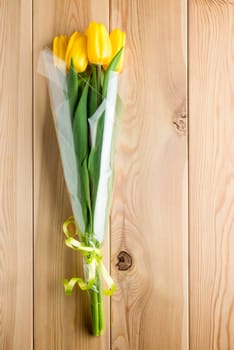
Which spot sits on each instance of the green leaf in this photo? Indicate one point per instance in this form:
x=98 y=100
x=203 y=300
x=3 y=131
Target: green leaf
x=112 y=66
x=81 y=141
x=86 y=187
x=93 y=93
x=80 y=125
x=73 y=88
x=95 y=160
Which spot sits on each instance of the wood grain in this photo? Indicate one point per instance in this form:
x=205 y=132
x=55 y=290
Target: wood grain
x=16 y=232
x=149 y=233
x=61 y=322
x=211 y=150
x=149 y=216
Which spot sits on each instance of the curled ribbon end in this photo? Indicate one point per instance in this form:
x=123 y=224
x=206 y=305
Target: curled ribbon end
x=109 y=292
x=67 y=290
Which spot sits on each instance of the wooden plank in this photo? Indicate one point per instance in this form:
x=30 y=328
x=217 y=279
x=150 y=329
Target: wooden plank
x=60 y=322
x=149 y=216
x=16 y=175
x=211 y=169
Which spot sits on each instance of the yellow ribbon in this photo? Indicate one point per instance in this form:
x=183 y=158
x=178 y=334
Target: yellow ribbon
x=93 y=259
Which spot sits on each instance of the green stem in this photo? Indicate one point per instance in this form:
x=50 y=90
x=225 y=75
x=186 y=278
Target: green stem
x=99 y=85
x=100 y=306
x=97 y=309
x=95 y=313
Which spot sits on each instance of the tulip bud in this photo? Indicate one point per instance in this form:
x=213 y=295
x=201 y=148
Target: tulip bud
x=117 y=39
x=76 y=50
x=99 y=44
x=59 y=48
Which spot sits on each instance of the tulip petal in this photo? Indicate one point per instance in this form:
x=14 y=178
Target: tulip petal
x=59 y=49
x=99 y=44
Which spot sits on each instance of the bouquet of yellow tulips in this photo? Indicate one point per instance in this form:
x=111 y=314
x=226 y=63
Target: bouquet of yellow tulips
x=82 y=72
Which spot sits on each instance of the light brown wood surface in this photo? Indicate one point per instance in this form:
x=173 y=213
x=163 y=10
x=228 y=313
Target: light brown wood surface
x=178 y=292
x=16 y=209
x=211 y=106
x=149 y=216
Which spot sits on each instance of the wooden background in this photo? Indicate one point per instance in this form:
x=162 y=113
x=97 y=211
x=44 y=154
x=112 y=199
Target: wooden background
x=173 y=207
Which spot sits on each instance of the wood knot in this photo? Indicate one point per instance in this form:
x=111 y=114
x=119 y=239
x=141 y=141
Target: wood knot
x=179 y=118
x=124 y=261
x=180 y=123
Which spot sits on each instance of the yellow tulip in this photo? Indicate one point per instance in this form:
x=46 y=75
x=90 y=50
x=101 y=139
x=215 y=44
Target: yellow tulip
x=59 y=48
x=76 y=50
x=71 y=40
x=117 y=39
x=99 y=44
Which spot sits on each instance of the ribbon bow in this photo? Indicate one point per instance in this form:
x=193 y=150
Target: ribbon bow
x=93 y=260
